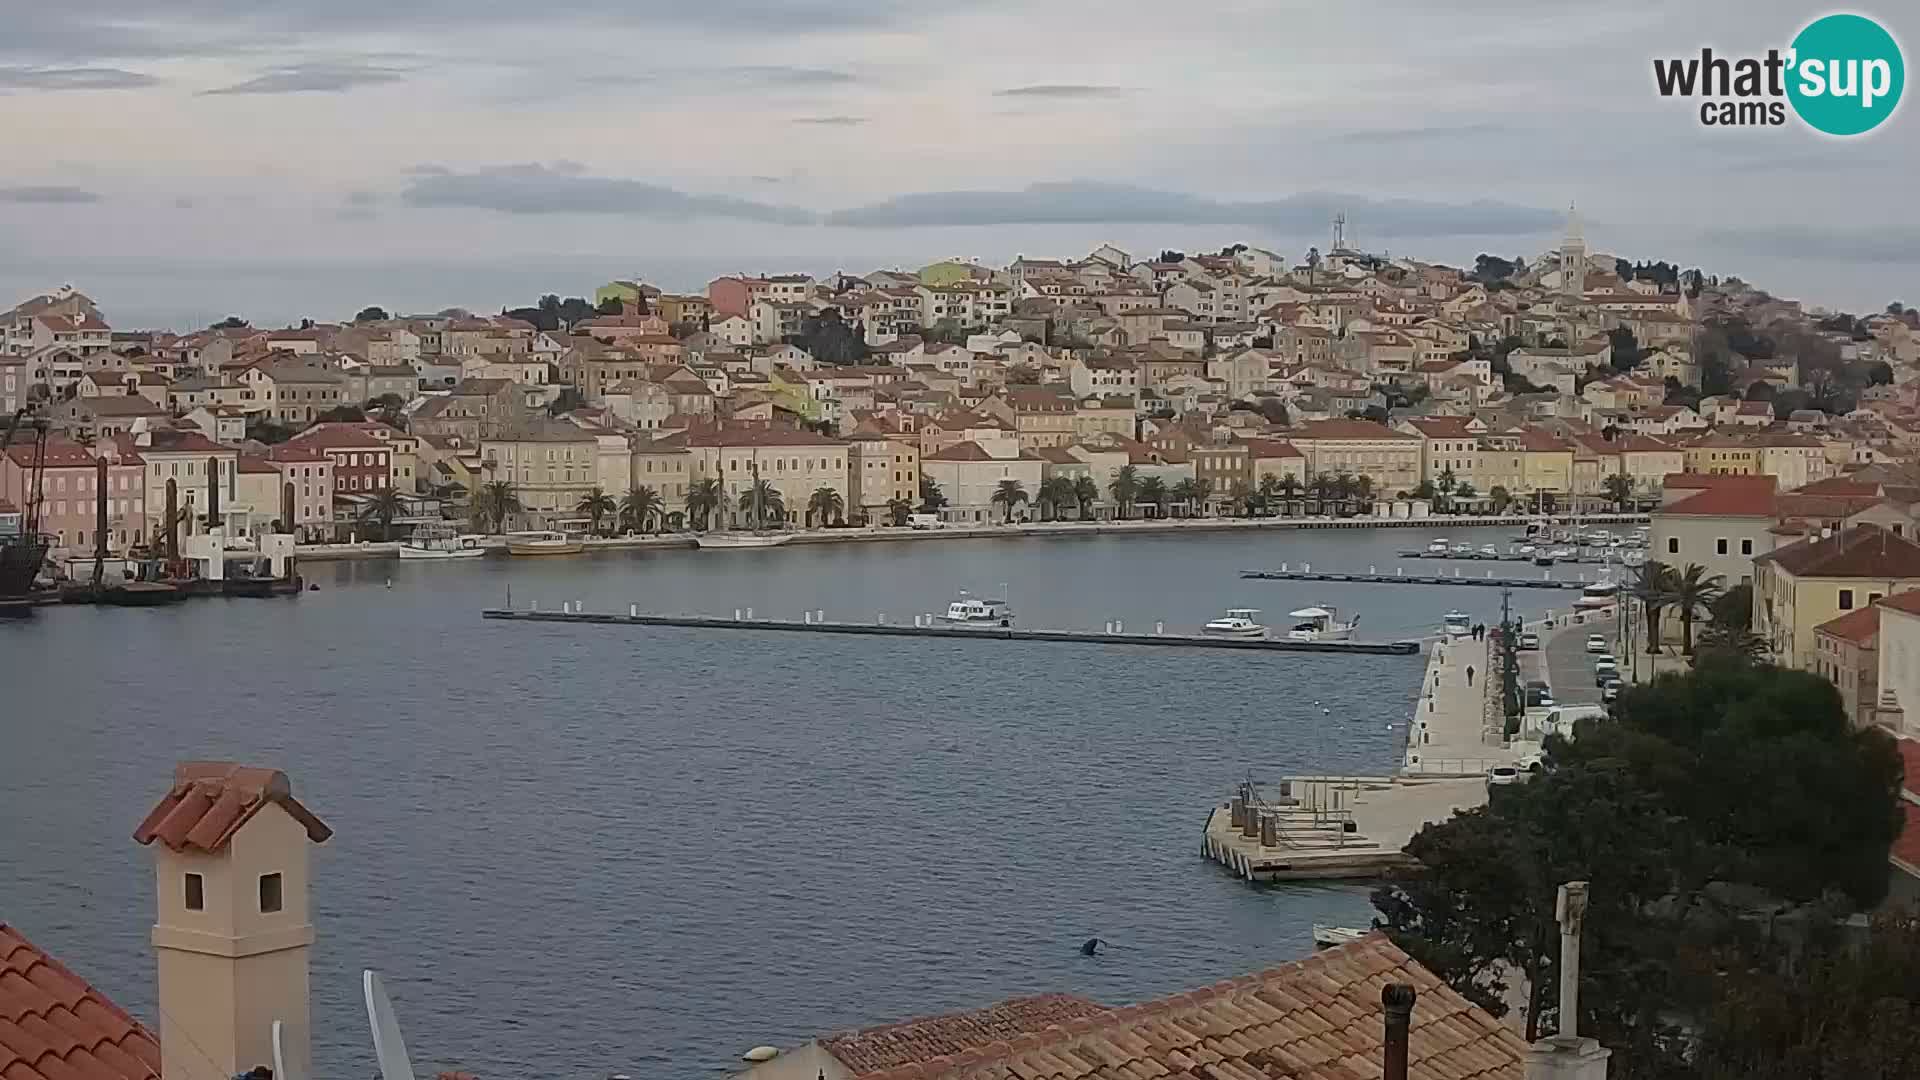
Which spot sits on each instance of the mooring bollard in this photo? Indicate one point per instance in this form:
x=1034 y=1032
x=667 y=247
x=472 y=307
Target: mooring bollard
x=736 y=614
x=806 y=618
x=566 y=607
x=633 y=611
x=749 y=613
x=1159 y=628
x=1119 y=627
x=881 y=618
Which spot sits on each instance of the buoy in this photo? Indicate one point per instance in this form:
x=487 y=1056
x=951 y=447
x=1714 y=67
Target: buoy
x=761 y=1053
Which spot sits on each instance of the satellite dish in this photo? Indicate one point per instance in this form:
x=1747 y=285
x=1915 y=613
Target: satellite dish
x=388 y=1046
x=280 y=1055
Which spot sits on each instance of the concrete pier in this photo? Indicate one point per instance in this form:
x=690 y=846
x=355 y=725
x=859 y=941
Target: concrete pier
x=818 y=625
x=1375 y=578
x=1329 y=827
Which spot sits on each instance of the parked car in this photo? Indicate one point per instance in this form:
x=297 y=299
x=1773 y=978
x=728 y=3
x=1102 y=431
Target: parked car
x=1605 y=673
x=1610 y=691
x=1536 y=695
x=1528 y=641
x=1503 y=774
x=1596 y=643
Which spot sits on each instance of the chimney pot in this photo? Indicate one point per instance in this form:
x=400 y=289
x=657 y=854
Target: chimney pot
x=1396 y=1000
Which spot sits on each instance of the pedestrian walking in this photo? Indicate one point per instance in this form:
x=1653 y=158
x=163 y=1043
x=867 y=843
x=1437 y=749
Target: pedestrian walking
x=1469 y=674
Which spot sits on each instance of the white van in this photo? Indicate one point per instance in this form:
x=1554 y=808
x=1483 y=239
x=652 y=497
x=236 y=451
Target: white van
x=923 y=521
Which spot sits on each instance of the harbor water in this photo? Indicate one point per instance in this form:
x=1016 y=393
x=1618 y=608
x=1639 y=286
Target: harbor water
x=575 y=852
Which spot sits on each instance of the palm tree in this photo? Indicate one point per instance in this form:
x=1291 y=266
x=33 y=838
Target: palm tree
x=1290 y=488
x=1125 y=489
x=1055 y=493
x=1445 y=486
x=1694 y=591
x=1009 y=494
x=1269 y=492
x=1465 y=492
x=1343 y=490
x=899 y=510
x=1186 y=491
x=767 y=498
x=597 y=505
x=1653 y=587
x=1202 y=491
x=1363 y=488
x=499 y=501
x=1619 y=489
x=642 y=507
x=1153 y=492
x=1085 y=494
x=707 y=503
x=1320 y=487
x=386 y=506
x=825 y=505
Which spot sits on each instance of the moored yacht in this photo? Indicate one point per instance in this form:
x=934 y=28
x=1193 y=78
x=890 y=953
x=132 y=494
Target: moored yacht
x=544 y=542
x=1438 y=547
x=440 y=542
x=1598 y=595
x=970 y=610
x=1320 y=624
x=1237 y=622
x=1456 y=623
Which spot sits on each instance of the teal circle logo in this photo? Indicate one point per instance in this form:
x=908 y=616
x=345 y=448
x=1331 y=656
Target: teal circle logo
x=1846 y=74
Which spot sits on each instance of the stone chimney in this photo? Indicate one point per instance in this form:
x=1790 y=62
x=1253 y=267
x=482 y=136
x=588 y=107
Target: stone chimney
x=1396 y=1003
x=232 y=932
x=1566 y=1055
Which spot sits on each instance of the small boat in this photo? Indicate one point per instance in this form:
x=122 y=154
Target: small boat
x=1320 y=624
x=1527 y=550
x=731 y=540
x=1237 y=622
x=1561 y=553
x=544 y=543
x=1463 y=549
x=1598 y=595
x=972 y=611
x=1438 y=547
x=141 y=594
x=1489 y=551
x=1543 y=560
x=1326 y=937
x=1634 y=559
x=440 y=542
x=1456 y=623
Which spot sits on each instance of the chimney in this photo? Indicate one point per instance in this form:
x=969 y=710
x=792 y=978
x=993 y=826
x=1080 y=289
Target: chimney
x=1396 y=1002
x=1566 y=1055
x=232 y=932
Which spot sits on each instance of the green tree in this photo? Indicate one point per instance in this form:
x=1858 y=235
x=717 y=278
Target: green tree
x=1055 y=493
x=498 y=500
x=1466 y=492
x=1187 y=493
x=1007 y=495
x=1658 y=808
x=1733 y=610
x=1085 y=494
x=1290 y=489
x=1363 y=489
x=1653 y=586
x=899 y=510
x=1269 y=492
x=826 y=505
x=1125 y=490
x=371 y=314
x=707 y=503
x=384 y=507
x=931 y=497
x=598 y=506
x=1501 y=497
x=342 y=414
x=1619 y=489
x=763 y=504
x=1153 y=492
x=642 y=508
x=1694 y=590
x=1446 y=486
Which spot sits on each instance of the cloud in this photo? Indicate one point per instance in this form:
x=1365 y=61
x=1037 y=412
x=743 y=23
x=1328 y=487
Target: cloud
x=313 y=79
x=361 y=198
x=1391 y=136
x=776 y=75
x=1061 y=91
x=831 y=121
x=72 y=78
x=538 y=189
x=1081 y=202
x=50 y=195
x=1879 y=244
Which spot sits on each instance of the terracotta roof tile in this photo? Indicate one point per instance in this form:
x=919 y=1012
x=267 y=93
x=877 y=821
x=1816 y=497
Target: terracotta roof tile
x=1859 y=626
x=1728 y=500
x=53 y=1026
x=1862 y=551
x=1315 y=1019
x=211 y=800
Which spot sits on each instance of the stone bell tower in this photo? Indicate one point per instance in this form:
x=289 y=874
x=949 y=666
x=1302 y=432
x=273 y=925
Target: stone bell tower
x=1573 y=257
x=232 y=932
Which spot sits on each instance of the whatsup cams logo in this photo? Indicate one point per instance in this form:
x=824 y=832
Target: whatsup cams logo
x=1842 y=75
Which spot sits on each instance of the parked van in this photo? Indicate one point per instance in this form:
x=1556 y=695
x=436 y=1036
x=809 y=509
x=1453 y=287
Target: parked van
x=923 y=521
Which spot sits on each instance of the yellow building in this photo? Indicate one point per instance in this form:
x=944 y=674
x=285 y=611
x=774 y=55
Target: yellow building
x=951 y=272
x=551 y=465
x=796 y=462
x=1722 y=455
x=1798 y=587
x=1360 y=448
x=881 y=469
x=624 y=291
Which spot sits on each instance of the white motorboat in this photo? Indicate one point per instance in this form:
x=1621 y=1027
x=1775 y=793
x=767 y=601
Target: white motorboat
x=1489 y=551
x=1438 y=547
x=441 y=542
x=1463 y=549
x=1527 y=550
x=1326 y=937
x=1237 y=622
x=1561 y=553
x=1456 y=623
x=741 y=539
x=1598 y=595
x=1633 y=559
x=976 y=612
x=545 y=542
x=1320 y=624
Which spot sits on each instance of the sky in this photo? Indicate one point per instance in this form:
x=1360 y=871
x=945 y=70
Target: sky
x=279 y=159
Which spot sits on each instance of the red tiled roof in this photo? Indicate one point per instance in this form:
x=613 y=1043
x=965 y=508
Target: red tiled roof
x=1347 y=429
x=1860 y=626
x=211 y=800
x=1318 y=1018
x=887 y=1046
x=745 y=435
x=1728 y=500
x=1442 y=427
x=338 y=436
x=1908 y=602
x=53 y=1026
x=1842 y=486
x=1862 y=551
x=972 y=451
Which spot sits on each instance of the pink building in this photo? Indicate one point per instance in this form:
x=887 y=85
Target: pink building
x=735 y=295
x=311 y=473
x=69 y=493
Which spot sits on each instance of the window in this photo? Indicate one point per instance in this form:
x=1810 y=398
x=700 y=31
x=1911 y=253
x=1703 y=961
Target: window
x=1673 y=545
x=1720 y=546
x=269 y=893
x=1746 y=547
x=1846 y=599
x=196 y=893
